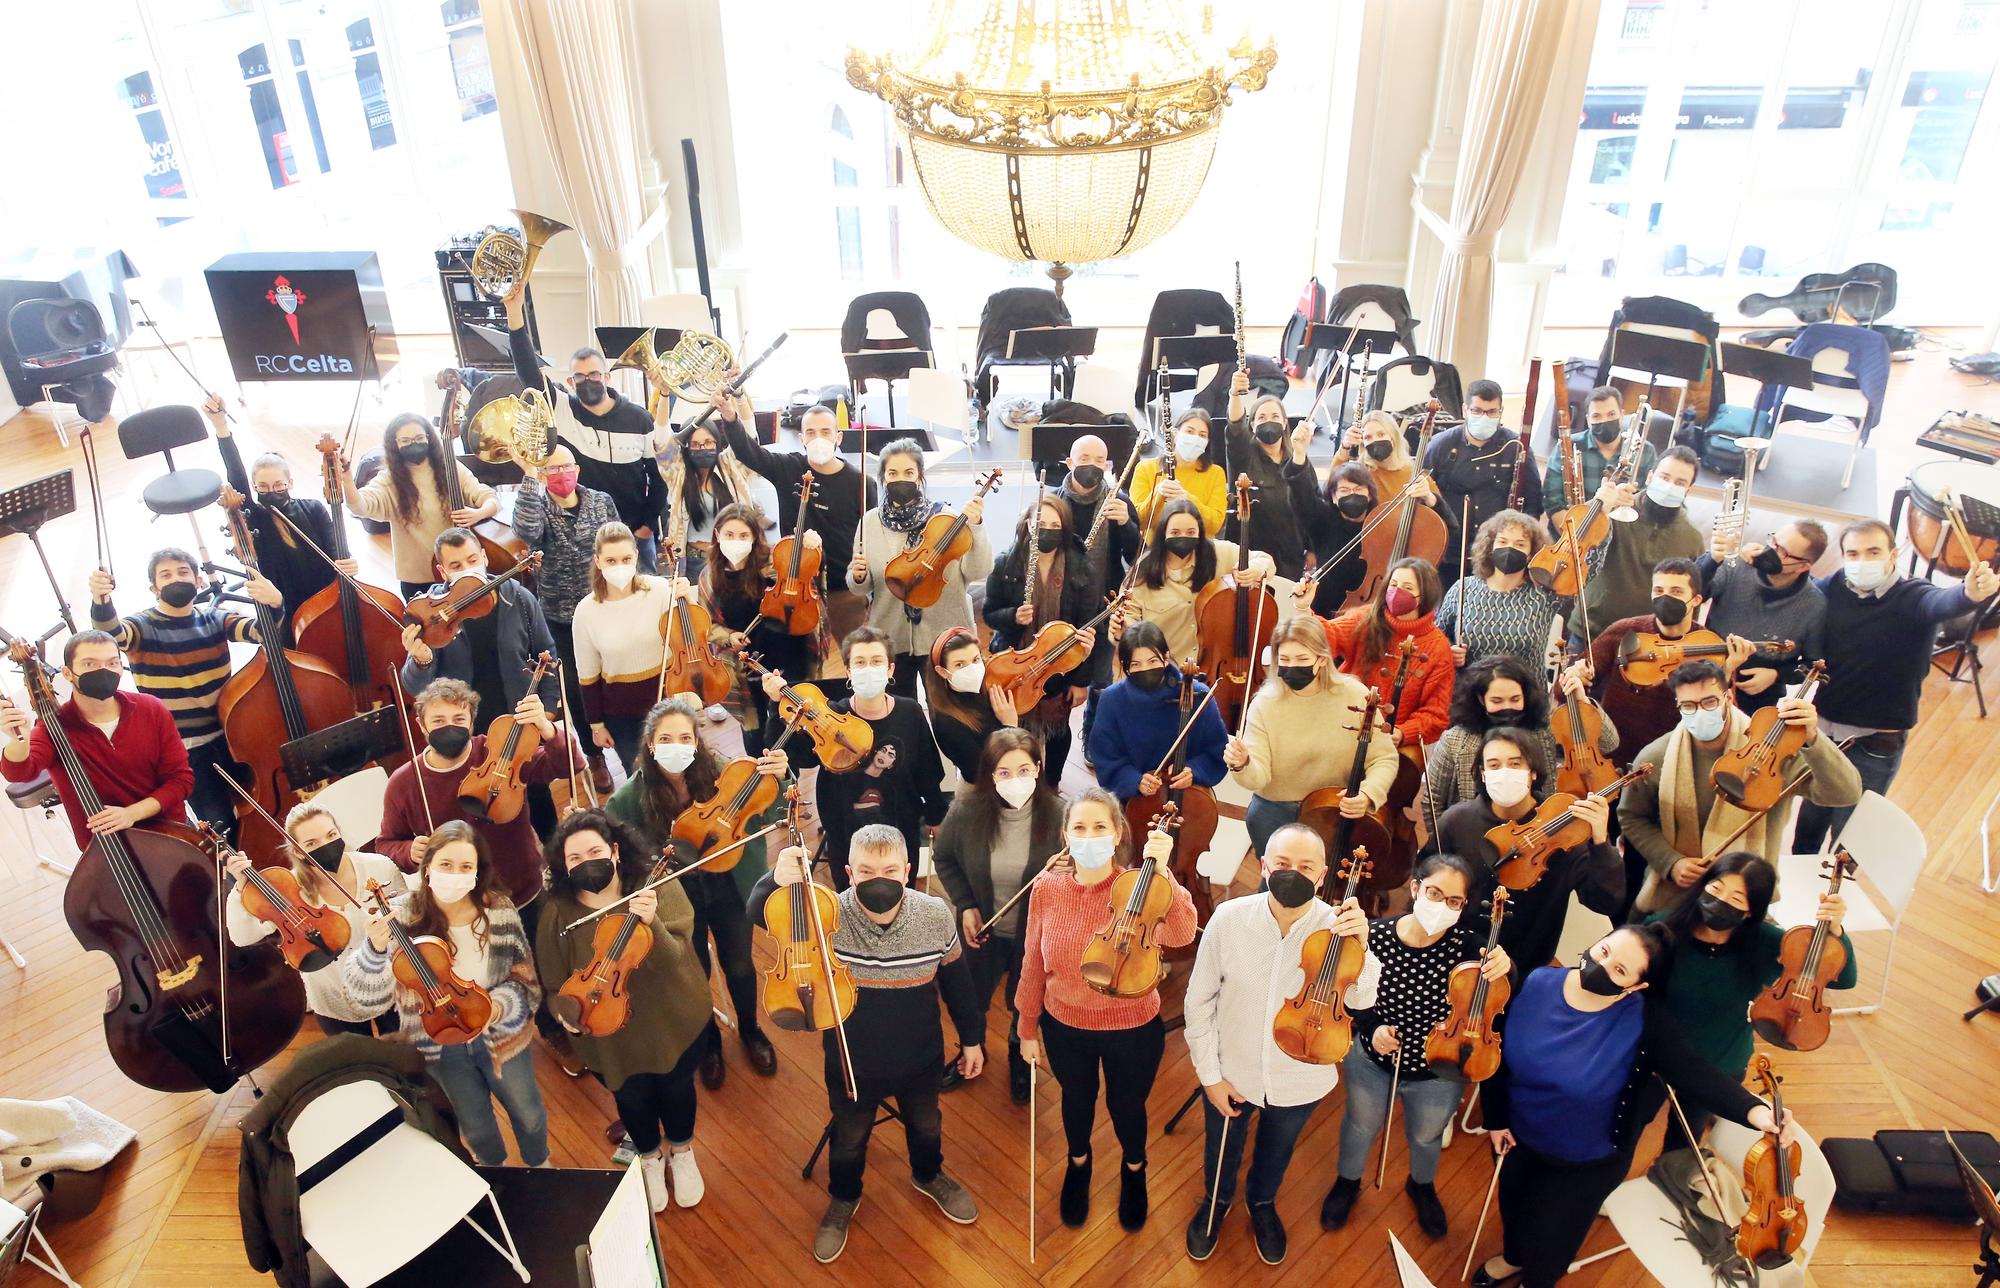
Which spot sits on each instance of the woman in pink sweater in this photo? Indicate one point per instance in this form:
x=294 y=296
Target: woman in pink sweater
x=1080 y=1028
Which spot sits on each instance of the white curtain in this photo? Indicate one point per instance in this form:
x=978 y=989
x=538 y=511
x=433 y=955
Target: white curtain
x=578 y=55
x=1517 y=45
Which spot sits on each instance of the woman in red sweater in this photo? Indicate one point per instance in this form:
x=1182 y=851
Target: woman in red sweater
x=1084 y=1029
x=1368 y=641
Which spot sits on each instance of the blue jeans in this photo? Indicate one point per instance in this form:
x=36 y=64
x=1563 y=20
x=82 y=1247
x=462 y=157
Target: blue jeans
x=1427 y=1106
x=649 y=554
x=470 y=1080
x=1877 y=772
x=1278 y=1128
x=1262 y=817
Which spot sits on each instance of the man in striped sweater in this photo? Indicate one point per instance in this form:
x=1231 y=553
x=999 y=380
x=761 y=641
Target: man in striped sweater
x=901 y=946
x=180 y=655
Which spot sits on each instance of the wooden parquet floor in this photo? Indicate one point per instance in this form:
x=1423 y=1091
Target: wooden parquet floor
x=168 y=1219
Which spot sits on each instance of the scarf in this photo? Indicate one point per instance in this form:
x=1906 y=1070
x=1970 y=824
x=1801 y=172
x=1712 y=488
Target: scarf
x=1678 y=824
x=908 y=518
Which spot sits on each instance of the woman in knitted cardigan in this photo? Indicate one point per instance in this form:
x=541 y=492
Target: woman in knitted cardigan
x=458 y=901
x=1499 y=691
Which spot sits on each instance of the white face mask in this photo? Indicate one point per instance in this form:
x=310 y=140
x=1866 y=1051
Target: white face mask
x=868 y=682
x=1189 y=446
x=1015 y=791
x=450 y=887
x=1868 y=574
x=1507 y=786
x=1092 y=853
x=674 y=757
x=620 y=575
x=820 y=451
x=735 y=550
x=1481 y=428
x=1433 y=915
x=968 y=678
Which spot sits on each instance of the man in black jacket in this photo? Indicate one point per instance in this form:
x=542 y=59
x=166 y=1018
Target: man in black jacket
x=1478 y=464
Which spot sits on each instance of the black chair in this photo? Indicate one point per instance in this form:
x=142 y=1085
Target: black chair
x=1403 y=385
x=1017 y=308
x=159 y=430
x=1183 y=312
x=887 y=358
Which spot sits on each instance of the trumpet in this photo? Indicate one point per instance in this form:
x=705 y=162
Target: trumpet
x=1630 y=452
x=516 y=428
x=1735 y=516
x=693 y=369
x=504 y=258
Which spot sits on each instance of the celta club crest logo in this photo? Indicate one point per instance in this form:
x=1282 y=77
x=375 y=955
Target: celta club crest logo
x=287 y=297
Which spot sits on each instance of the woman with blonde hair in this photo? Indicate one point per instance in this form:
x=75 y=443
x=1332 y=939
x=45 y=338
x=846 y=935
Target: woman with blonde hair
x=617 y=635
x=1378 y=442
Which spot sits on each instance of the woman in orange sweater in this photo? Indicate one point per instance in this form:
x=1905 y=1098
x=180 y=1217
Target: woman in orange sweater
x=1368 y=642
x=1082 y=1028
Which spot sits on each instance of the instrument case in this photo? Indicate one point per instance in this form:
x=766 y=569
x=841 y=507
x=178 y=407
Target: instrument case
x=1909 y=1172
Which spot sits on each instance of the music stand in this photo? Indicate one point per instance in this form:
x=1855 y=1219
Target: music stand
x=339 y=750
x=853 y=438
x=1351 y=344
x=614 y=340
x=1189 y=354
x=1059 y=346
x=1772 y=370
x=1659 y=355
x=887 y=366
x=1047 y=446
x=26 y=508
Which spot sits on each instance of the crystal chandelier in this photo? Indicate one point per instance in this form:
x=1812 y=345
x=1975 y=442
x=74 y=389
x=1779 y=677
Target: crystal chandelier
x=1065 y=131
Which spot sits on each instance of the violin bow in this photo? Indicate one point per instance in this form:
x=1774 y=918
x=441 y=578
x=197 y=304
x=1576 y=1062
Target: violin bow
x=791 y=824
x=1707 y=1181
x=1215 y=1191
x=1499 y=1160
x=87 y=442
x=313 y=546
x=1186 y=728
x=569 y=737
x=416 y=754
x=1464 y=539
x=252 y=802
x=1389 y=1123
x=1032 y=1066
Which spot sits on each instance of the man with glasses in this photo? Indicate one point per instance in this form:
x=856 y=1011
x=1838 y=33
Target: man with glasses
x=1676 y=819
x=1768 y=595
x=1475 y=466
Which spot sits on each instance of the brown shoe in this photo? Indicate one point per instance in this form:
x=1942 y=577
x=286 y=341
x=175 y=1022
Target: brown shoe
x=600 y=775
x=763 y=1056
x=566 y=1057
x=614 y=1132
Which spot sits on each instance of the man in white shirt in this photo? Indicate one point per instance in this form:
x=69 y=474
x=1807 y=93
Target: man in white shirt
x=1246 y=969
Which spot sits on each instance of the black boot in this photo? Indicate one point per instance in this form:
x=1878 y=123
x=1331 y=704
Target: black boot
x=1017 y=1076
x=1132 y=1197
x=763 y=1056
x=1339 y=1202
x=1430 y=1212
x=1076 y=1194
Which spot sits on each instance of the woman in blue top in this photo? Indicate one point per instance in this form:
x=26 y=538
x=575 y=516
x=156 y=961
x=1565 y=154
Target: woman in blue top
x=1139 y=717
x=1576 y=1087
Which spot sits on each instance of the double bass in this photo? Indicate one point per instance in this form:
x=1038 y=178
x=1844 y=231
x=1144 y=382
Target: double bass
x=1123 y=957
x=504 y=548
x=493 y=789
x=190 y=1009
x=279 y=696
x=1774 y=1224
x=1233 y=626
x=1418 y=531
x=792 y=598
x=916 y=574
x=1192 y=808
x=331 y=625
x=1313 y=1024
x=1793 y=1012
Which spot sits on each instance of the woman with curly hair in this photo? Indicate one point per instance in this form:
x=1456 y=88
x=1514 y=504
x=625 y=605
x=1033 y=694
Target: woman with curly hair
x=1498 y=609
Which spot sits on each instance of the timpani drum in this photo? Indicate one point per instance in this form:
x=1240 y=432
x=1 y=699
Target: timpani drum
x=1931 y=485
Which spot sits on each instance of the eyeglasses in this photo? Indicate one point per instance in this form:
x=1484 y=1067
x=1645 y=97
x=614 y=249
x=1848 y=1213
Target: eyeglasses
x=1455 y=902
x=1712 y=703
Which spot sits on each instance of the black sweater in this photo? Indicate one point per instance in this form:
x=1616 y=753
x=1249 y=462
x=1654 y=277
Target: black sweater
x=1535 y=916
x=1485 y=472
x=901 y=783
x=836 y=500
x=635 y=487
x=1878 y=649
x=289 y=563
x=1275 y=527
x=1082 y=598
x=1329 y=532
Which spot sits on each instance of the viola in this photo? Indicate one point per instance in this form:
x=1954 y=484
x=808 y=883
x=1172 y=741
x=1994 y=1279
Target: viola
x=1751 y=775
x=1774 y=1225
x=443 y=608
x=149 y=898
x=808 y=986
x=1582 y=527
x=1234 y=625
x=310 y=935
x=1056 y=650
x=1646 y=658
x=1393 y=869
x=1320 y=810
x=453 y=1009
x=492 y=789
x=688 y=661
x=1793 y=1012
x=1418 y=530
x=596 y=999
x=1527 y=845
x=1194 y=810
x=792 y=599
x=1578 y=726
x=503 y=546
x=331 y=625
x=279 y=696
x=1123 y=957
x=742 y=793
x=1465 y=1040
x=916 y=576
x=842 y=739
x=1313 y=1024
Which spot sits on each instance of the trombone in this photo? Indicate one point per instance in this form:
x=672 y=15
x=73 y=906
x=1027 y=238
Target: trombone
x=504 y=258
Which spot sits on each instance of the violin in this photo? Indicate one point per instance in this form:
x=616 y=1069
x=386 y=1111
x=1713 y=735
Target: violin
x=279 y=696
x=1394 y=868
x=1751 y=775
x=1774 y=1226
x=1647 y=658
x=1527 y=845
x=742 y=792
x=1792 y=1013
x=1418 y=530
x=792 y=599
x=193 y=1010
x=842 y=739
x=1194 y=810
x=1578 y=726
x=331 y=626
x=1560 y=566
x=807 y=986
x=688 y=661
x=1320 y=810
x=596 y=999
x=443 y=608
x=310 y=935
x=1057 y=649
x=1234 y=625
x=1313 y=1024
x=1465 y=1040
x=1122 y=958
x=492 y=789
x=916 y=576
x=504 y=548
x=454 y=1010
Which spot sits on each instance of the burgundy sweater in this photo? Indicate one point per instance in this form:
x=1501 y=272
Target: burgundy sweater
x=145 y=757
x=1640 y=714
x=515 y=849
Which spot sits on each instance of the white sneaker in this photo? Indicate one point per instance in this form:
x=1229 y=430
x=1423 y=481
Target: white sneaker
x=688 y=1185
x=654 y=1169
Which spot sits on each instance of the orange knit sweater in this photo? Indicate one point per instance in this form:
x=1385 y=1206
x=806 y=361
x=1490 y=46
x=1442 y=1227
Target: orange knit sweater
x=1062 y=916
x=1425 y=711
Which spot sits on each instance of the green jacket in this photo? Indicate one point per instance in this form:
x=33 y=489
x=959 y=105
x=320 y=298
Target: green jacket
x=1709 y=993
x=627 y=806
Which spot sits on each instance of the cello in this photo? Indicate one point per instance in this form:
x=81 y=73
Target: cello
x=1418 y=532
x=807 y=986
x=1774 y=1225
x=1400 y=857
x=190 y=1009
x=492 y=790
x=1123 y=957
x=916 y=575
x=1465 y=1041
x=688 y=663
x=1752 y=774
x=331 y=626
x=1234 y=625
x=1193 y=808
x=1313 y=1024
x=1792 y=1013
x=792 y=599
x=279 y=696
x=503 y=547
x=1320 y=810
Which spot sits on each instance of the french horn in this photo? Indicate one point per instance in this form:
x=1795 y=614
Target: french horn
x=515 y=428
x=504 y=257
x=693 y=369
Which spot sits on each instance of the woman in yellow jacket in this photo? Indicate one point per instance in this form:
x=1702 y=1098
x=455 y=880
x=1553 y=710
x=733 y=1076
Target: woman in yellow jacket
x=1198 y=476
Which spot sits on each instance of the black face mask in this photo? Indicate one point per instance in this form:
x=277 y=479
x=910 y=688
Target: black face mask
x=1352 y=507
x=703 y=458
x=1296 y=678
x=1506 y=719
x=414 y=453
x=328 y=855
x=178 y=594
x=1049 y=540
x=1268 y=433
x=448 y=740
x=1768 y=563
x=1381 y=450
x=1289 y=888
x=903 y=492
x=1669 y=611
x=1509 y=560
x=879 y=895
x=1596 y=979
x=590 y=391
x=276 y=500
x=592 y=875
x=1181 y=546
x=1087 y=477
x=1606 y=431
x=1719 y=914
x=97 y=684
x=1148 y=681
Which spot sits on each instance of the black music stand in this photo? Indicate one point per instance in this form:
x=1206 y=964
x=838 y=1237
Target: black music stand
x=26 y=508
x=1188 y=354
x=1988 y=993
x=1059 y=346
x=853 y=438
x=1350 y=344
x=1772 y=370
x=1049 y=445
x=887 y=366
x=1659 y=355
x=1982 y=519
x=339 y=750
x=614 y=340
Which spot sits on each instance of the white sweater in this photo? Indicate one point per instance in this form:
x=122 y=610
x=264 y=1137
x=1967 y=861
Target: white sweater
x=324 y=994
x=618 y=649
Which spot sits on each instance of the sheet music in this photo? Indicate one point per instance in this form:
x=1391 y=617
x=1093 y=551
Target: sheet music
x=621 y=1243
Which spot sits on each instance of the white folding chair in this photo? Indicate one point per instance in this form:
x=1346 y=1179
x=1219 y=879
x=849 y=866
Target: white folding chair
x=1581 y=929
x=1890 y=848
x=677 y=312
x=1110 y=391
x=1836 y=393
x=1650 y=1225
x=937 y=397
x=356 y=804
x=20 y=1236
x=394 y=1168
